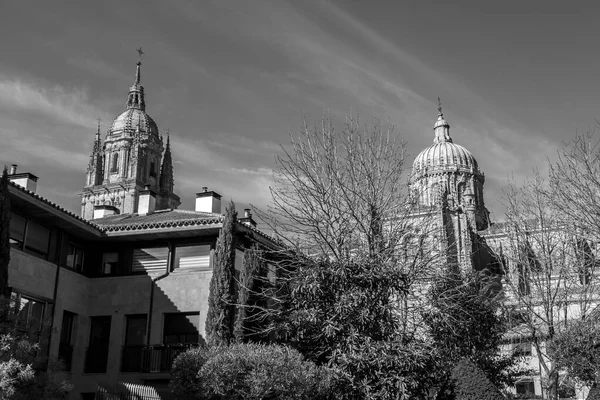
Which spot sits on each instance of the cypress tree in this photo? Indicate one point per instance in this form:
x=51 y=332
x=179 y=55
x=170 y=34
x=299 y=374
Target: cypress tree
x=4 y=234
x=252 y=262
x=221 y=299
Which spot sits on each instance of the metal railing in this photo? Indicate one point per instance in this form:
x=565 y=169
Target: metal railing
x=96 y=358
x=158 y=358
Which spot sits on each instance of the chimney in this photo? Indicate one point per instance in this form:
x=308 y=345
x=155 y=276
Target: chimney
x=247 y=220
x=146 y=201
x=208 y=201
x=24 y=179
x=104 y=211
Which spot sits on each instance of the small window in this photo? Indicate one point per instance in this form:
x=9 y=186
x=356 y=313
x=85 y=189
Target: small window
x=522 y=349
x=135 y=332
x=181 y=328
x=150 y=259
x=525 y=387
x=115 y=163
x=152 y=169
x=110 y=262
x=17 y=230
x=75 y=257
x=29 y=314
x=37 y=239
x=192 y=257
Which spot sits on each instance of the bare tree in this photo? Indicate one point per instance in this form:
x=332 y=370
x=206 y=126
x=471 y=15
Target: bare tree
x=335 y=189
x=543 y=277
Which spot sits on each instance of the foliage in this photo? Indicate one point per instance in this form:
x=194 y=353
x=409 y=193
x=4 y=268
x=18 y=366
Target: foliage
x=332 y=304
x=577 y=349
x=462 y=322
x=244 y=308
x=184 y=373
x=471 y=383
x=250 y=371
x=384 y=369
x=221 y=300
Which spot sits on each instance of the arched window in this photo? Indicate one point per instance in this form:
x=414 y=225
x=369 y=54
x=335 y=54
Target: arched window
x=115 y=163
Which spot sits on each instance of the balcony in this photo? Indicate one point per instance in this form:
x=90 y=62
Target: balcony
x=65 y=353
x=157 y=358
x=96 y=358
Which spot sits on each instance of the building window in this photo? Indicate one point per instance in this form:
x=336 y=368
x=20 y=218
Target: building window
x=150 y=259
x=522 y=349
x=29 y=315
x=96 y=356
x=17 y=230
x=197 y=256
x=525 y=387
x=115 y=163
x=65 y=346
x=110 y=263
x=135 y=332
x=37 y=239
x=153 y=169
x=74 y=257
x=181 y=328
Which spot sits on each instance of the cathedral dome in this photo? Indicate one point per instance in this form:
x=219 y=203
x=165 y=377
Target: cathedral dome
x=130 y=120
x=443 y=155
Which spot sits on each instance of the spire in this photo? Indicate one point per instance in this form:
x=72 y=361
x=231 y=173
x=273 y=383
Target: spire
x=136 y=91
x=166 y=170
x=97 y=140
x=441 y=129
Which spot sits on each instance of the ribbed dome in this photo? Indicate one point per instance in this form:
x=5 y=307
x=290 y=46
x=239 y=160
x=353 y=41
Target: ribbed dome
x=444 y=156
x=129 y=120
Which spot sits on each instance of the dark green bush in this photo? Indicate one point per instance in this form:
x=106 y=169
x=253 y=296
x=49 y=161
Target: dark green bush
x=471 y=383
x=248 y=372
x=184 y=373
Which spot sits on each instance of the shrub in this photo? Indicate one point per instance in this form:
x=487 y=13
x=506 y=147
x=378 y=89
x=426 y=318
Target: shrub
x=256 y=371
x=248 y=372
x=184 y=374
x=471 y=383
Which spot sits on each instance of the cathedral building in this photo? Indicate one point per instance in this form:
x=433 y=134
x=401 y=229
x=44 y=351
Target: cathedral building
x=132 y=159
x=447 y=185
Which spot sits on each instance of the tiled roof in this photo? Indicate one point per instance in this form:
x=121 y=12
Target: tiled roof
x=53 y=205
x=158 y=219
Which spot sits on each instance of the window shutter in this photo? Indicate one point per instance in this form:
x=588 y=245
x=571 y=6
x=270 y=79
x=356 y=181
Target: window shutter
x=193 y=256
x=150 y=259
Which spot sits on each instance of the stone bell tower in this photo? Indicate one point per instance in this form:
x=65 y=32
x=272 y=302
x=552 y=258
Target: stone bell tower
x=131 y=159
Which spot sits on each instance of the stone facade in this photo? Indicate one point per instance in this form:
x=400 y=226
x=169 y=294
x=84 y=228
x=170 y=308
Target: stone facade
x=131 y=159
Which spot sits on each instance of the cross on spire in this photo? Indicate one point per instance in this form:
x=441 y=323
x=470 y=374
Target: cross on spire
x=440 y=113
x=140 y=52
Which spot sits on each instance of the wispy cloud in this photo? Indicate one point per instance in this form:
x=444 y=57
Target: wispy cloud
x=70 y=106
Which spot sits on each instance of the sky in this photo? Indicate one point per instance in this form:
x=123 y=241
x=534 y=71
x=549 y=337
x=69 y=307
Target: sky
x=231 y=79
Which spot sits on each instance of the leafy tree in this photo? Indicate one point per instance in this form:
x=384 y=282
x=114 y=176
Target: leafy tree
x=577 y=349
x=471 y=383
x=464 y=322
x=221 y=300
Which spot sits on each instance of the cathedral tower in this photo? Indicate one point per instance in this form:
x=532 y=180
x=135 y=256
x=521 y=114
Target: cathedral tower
x=446 y=180
x=129 y=161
